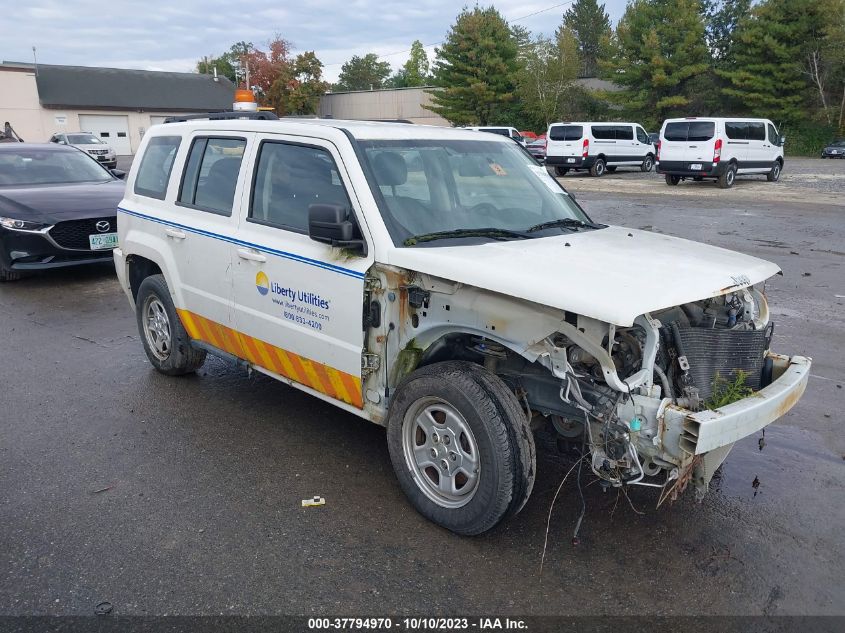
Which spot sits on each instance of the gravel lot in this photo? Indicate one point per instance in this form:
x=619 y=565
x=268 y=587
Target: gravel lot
x=182 y=496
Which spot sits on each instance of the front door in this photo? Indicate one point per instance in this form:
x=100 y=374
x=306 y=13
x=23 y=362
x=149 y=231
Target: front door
x=299 y=303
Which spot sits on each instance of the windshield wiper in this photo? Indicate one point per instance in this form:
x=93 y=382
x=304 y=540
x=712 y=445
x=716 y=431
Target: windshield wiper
x=570 y=223
x=495 y=233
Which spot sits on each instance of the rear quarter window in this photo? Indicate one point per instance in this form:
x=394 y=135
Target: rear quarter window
x=211 y=174
x=156 y=165
x=566 y=133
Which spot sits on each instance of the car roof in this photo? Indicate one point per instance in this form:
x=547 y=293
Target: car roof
x=360 y=130
x=594 y=123
x=718 y=118
x=46 y=147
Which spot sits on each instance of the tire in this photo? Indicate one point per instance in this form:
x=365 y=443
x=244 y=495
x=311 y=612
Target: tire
x=598 y=168
x=464 y=406
x=774 y=174
x=647 y=164
x=611 y=169
x=728 y=177
x=561 y=171
x=672 y=180
x=165 y=340
x=9 y=275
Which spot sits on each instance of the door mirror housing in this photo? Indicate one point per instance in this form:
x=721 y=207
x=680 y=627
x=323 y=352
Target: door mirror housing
x=782 y=141
x=330 y=224
x=118 y=173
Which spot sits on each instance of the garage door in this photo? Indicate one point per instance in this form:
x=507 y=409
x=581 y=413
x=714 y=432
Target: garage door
x=112 y=128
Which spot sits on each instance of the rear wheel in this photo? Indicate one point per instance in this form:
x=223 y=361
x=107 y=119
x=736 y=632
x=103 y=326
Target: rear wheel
x=672 y=180
x=561 y=171
x=598 y=168
x=461 y=446
x=728 y=177
x=774 y=174
x=165 y=340
x=647 y=164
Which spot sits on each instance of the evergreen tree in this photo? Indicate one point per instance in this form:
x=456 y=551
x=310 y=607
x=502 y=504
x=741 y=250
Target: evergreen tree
x=363 y=73
x=660 y=58
x=589 y=22
x=721 y=19
x=417 y=66
x=475 y=70
x=774 y=55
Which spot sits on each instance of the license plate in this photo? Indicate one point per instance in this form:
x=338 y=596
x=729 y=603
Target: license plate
x=570 y=160
x=102 y=241
x=695 y=167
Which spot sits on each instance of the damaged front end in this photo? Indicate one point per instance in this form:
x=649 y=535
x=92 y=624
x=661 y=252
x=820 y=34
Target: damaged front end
x=662 y=402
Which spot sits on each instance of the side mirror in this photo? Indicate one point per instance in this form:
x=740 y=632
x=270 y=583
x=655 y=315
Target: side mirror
x=330 y=224
x=118 y=173
x=782 y=140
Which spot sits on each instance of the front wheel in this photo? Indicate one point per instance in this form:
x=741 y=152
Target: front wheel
x=461 y=446
x=774 y=174
x=672 y=180
x=165 y=340
x=561 y=171
x=647 y=164
x=598 y=168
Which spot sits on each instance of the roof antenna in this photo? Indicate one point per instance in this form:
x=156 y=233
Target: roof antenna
x=35 y=59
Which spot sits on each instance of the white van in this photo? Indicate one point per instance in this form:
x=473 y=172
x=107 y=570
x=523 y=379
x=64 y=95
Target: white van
x=719 y=149
x=511 y=132
x=441 y=283
x=597 y=147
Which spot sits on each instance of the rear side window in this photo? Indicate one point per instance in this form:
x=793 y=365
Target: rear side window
x=604 y=132
x=756 y=132
x=290 y=178
x=689 y=131
x=566 y=132
x=736 y=130
x=624 y=133
x=156 y=165
x=211 y=174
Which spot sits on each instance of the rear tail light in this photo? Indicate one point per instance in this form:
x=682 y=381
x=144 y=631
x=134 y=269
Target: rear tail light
x=717 y=151
x=586 y=148
x=659 y=143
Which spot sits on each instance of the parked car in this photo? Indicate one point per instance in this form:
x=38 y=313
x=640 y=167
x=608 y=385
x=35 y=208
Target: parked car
x=89 y=143
x=58 y=208
x=654 y=137
x=511 y=132
x=537 y=149
x=836 y=149
x=436 y=282
x=719 y=149
x=598 y=147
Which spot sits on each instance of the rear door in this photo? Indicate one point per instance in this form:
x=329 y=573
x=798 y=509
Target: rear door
x=565 y=140
x=674 y=141
x=700 y=146
x=299 y=303
x=736 y=143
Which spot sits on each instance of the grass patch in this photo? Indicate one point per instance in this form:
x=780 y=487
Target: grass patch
x=726 y=391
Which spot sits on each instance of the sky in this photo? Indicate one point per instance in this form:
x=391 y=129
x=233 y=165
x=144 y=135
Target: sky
x=173 y=35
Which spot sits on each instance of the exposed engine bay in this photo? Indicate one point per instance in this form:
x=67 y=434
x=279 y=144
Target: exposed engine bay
x=603 y=389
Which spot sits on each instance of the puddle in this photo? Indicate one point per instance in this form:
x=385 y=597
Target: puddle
x=791 y=460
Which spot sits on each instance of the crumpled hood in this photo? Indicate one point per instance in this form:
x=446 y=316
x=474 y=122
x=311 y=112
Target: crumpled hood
x=613 y=274
x=55 y=203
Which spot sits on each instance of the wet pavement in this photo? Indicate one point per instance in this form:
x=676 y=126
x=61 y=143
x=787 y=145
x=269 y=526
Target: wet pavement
x=182 y=495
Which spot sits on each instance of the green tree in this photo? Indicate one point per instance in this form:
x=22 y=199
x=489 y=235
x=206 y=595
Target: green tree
x=660 y=58
x=298 y=90
x=546 y=82
x=362 y=73
x=721 y=20
x=589 y=22
x=475 y=69
x=417 y=67
x=776 y=53
x=224 y=67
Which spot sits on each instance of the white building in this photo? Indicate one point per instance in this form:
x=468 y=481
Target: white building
x=117 y=105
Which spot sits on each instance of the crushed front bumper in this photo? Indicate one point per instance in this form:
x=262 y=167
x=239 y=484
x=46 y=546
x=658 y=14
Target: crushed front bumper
x=709 y=430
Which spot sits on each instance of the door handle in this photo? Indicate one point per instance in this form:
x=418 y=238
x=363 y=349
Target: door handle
x=175 y=234
x=251 y=255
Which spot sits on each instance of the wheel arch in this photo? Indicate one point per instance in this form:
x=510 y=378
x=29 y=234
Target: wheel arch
x=139 y=268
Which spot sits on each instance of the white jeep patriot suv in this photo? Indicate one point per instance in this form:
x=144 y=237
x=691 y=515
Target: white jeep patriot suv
x=440 y=283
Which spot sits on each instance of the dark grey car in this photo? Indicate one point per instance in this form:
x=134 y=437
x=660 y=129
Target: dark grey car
x=836 y=149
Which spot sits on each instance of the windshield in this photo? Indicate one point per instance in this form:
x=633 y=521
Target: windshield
x=48 y=167
x=84 y=139
x=435 y=186
x=838 y=144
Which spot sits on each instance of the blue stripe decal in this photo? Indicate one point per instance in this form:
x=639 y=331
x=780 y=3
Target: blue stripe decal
x=264 y=249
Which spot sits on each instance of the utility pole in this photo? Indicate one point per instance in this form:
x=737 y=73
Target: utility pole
x=35 y=60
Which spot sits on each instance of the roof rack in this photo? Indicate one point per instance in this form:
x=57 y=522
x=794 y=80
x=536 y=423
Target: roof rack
x=260 y=115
